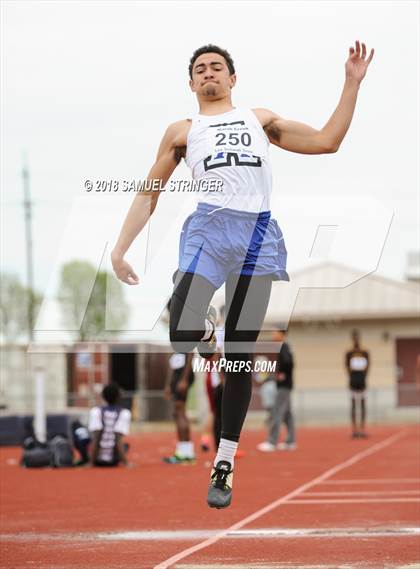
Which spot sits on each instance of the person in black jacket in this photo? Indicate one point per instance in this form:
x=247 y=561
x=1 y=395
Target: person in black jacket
x=281 y=412
x=357 y=365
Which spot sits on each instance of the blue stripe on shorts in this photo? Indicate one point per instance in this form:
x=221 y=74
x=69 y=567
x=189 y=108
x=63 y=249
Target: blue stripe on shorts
x=217 y=242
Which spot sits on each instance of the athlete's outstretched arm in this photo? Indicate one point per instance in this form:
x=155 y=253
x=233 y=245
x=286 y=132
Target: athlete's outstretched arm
x=301 y=138
x=169 y=154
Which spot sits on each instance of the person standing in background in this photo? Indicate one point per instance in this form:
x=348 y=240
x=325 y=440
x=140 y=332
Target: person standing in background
x=357 y=365
x=179 y=382
x=281 y=412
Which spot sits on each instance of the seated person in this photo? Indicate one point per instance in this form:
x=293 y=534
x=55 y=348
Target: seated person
x=108 y=425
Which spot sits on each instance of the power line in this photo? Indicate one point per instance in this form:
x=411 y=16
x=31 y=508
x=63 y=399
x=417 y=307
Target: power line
x=27 y=207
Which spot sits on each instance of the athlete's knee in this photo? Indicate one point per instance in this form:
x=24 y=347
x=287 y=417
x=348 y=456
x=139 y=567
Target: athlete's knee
x=238 y=362
x=179 y=411
x=182 y=343
x=239 y=344
x=183 y=340
x=175 y=415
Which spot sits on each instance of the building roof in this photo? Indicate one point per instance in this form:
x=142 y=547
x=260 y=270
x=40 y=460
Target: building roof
x=323 y=293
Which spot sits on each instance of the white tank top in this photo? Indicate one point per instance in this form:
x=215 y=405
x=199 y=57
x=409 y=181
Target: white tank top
x=231 y=149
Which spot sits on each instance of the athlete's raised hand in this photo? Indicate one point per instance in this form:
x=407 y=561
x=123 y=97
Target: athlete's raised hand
x=124 y=272
x=357 y=63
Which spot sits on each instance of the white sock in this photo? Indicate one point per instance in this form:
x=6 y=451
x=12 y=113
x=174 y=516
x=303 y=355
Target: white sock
x=185 y=449
x=209 y=330
x=226 y=451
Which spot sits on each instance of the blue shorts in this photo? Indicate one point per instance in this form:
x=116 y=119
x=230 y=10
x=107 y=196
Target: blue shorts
x=217 y=242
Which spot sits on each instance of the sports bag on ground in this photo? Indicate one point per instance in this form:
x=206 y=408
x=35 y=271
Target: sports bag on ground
x=35 y=454
x=61 y=452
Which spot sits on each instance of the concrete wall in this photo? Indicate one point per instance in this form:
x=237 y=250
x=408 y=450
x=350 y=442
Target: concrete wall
x=319 y=349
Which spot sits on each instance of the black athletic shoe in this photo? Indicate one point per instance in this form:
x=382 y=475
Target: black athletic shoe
x=207 y=348
x=220 y=489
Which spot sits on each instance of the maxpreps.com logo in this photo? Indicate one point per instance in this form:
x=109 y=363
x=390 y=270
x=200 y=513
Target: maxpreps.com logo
x=224 y=365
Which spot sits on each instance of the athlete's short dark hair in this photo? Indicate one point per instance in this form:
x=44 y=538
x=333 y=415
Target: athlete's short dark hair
x=211 y=48
x=111 y=393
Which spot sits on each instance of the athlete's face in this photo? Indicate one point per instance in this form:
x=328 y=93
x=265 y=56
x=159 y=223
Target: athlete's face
x=210 y=77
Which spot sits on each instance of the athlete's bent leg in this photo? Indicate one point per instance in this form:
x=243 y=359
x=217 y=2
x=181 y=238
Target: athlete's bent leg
x=189 y=304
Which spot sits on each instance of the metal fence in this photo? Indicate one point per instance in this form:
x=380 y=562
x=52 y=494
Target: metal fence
x=310 y=405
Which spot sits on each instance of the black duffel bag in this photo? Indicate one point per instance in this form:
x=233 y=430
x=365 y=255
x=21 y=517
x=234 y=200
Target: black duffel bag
x=61 y=452
x=35 y=454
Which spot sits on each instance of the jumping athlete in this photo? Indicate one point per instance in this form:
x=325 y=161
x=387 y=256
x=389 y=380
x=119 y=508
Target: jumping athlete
x=231 y=237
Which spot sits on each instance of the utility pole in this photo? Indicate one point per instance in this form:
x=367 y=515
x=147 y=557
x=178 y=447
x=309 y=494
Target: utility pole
x=27 y=206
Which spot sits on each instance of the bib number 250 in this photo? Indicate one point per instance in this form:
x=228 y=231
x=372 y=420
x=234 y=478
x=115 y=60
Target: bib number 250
x=233 y=139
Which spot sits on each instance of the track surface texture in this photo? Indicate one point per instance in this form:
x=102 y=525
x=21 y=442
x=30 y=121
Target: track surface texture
x=334 y=503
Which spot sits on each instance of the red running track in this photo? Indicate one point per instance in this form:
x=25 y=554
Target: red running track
x=332 y=503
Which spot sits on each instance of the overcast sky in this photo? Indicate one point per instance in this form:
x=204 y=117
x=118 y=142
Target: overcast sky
x=88 y=89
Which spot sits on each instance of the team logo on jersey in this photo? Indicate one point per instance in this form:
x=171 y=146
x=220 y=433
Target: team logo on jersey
x=222 y=159
x=242 y=123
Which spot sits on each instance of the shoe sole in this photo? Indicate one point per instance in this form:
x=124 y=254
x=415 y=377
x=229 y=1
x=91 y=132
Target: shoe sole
x=219 y=507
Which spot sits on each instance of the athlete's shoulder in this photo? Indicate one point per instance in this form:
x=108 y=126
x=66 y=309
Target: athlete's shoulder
x=176 y=133
x=265 y=116
x=179 y=125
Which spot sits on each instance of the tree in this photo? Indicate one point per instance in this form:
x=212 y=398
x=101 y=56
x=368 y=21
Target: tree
x=14 y=299
x=84 y=296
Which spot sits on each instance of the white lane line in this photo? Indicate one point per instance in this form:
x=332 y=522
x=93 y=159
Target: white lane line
x=270 y=566
x=360 y=493
x=356 y=501
x=186 y=535
x=280 y=565
x=300 y=490
x=277 y=565
x=142 y=535
x=262 y=533
x=325 y=532
x=375 y=481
